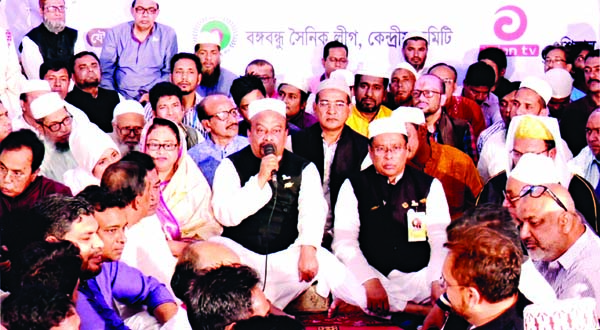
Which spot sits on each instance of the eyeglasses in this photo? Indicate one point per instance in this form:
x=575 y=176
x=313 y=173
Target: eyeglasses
x=428 y=94
x=165 y=146
x=55 y=127
x=127 y=130
x=382 y=151
x=444 y=284
x=17 y=175
x=142 y=10
x=535 y=191
x=55 y=9
x=224 y=115
x=337 y=60
x=553 y=60
x=337 y=105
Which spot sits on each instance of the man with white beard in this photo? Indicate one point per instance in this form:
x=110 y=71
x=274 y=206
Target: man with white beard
x=52 y=40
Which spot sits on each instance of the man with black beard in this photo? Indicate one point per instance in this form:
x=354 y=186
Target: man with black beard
x=96 y=102
x=215 y=80
x=51 y=40
x=370 y=86
x=55 y=126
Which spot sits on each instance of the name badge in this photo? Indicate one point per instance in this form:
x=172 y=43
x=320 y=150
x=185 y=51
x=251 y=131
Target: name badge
x=417 y=226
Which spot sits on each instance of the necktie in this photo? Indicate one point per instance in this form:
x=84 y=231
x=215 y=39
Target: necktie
x=92 y=292
x=597 y=190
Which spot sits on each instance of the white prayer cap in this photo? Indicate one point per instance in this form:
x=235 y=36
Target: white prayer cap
x=206 y=37
x=386 y=125
x=535 y=169
x=343 y=74
x=406 y=66
x=409 y=115
x=561 y=82
x=46 y=104
x=295 y=80
x=538 y=85
x=333 y=83
x=261 y=105
x=416 y=35
x=35 y=85
x=128 y=106
x=373 y=70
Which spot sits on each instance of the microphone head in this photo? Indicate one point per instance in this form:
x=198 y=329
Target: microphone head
x=268 y=149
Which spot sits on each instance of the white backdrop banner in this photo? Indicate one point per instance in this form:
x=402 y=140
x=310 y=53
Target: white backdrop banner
x=291 y=35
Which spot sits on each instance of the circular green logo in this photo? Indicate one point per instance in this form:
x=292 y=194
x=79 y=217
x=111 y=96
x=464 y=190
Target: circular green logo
x=221 y=28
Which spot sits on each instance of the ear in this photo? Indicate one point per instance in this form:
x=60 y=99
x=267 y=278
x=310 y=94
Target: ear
x=552 y=153
x=569 y=67
x=323 y=62
x=472 y=297
x=206 y=125
x=443 y=100
x=52 y=239
x=199 y=77
x=502 y=72
x=137 y=201
x=566 y=222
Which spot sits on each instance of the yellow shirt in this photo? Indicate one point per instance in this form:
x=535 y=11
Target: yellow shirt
x=360 y=123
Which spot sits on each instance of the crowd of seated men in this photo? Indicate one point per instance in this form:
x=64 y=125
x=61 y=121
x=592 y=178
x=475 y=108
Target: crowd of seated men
x=147 y=188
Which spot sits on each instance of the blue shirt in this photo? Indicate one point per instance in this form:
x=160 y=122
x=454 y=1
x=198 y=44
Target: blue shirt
x=223 y=85
x=132 y=67
x=207 y=155
x=126 y=284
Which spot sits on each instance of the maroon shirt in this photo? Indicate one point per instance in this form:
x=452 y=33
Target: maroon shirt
x=39 y=188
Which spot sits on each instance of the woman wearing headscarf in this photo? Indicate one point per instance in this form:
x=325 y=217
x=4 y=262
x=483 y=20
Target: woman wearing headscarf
x=184 y=207
x=94 y=151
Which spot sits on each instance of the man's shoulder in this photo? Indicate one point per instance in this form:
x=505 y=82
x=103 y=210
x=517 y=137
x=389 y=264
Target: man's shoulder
x=448 y=152
x=578 y=107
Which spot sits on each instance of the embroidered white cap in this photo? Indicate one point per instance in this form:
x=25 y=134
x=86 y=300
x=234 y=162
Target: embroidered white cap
x=332 y=83
x=408 y=67
x=206 y=37
x=128 y=106
x=535 y=169
x=386 y=125
x=258 y=106
x=46 y=104
x=373 y=70
x=416 y=35
x=561 y=82
x=538 y=85
x=35 y=85
x=343 y=74
x=409 y=115
x=295 y=80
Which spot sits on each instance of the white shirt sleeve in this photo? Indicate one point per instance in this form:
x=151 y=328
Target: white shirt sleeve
x=31 y=58
x=233 y=203
x=346 y=228
x=438 y=218
x=312 y=208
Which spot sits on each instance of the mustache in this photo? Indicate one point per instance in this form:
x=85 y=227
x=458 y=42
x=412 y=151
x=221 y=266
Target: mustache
x=591 y=80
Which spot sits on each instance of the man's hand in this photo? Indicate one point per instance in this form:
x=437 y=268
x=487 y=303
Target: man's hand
x=377 y=299
x=436 y=291
x=308 y=266
x=435 y=319
x=268 y=164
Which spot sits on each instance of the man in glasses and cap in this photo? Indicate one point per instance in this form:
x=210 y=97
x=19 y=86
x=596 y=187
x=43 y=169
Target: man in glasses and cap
x=558 y=241
x=55 y=124
x=128 y=122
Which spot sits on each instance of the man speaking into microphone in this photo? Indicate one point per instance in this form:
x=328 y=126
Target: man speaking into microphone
x=272 y=207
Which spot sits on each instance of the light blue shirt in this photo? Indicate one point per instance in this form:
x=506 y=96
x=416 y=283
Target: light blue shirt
x=586 y=165
x=207 y=155
x=132 y=67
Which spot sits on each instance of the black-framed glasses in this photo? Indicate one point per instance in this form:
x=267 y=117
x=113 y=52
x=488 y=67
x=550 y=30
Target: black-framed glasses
x=536 y=191
x=127 y=130
x=142 y=10
x=428 y=94
x=224 y=115
x=157 y=146
x=55 y=127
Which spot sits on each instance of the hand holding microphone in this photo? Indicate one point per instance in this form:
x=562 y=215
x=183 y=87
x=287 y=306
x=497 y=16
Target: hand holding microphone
x=269 y=164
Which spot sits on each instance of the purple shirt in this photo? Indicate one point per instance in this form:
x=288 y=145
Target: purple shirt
x=127 y=285
x=132 y=67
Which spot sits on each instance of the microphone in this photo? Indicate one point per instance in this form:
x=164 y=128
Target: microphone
x=269 y=149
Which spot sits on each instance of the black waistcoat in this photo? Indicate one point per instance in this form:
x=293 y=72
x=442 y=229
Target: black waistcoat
x=382 y=207
x=256 y=233
x=53 y=46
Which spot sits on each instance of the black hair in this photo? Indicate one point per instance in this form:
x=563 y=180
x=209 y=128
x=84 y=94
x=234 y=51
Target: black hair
x=61 y=212
x=333 y=44
x=54 y=65
x=25 y=138
x=495 y=55
x=161 y=89
x=242 y=86
x=80 y=55
x=188 y=56
x=480 y=74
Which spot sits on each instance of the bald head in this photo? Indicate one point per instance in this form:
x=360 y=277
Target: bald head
x=592 y=132
x=545 y=227
x=206 y=255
